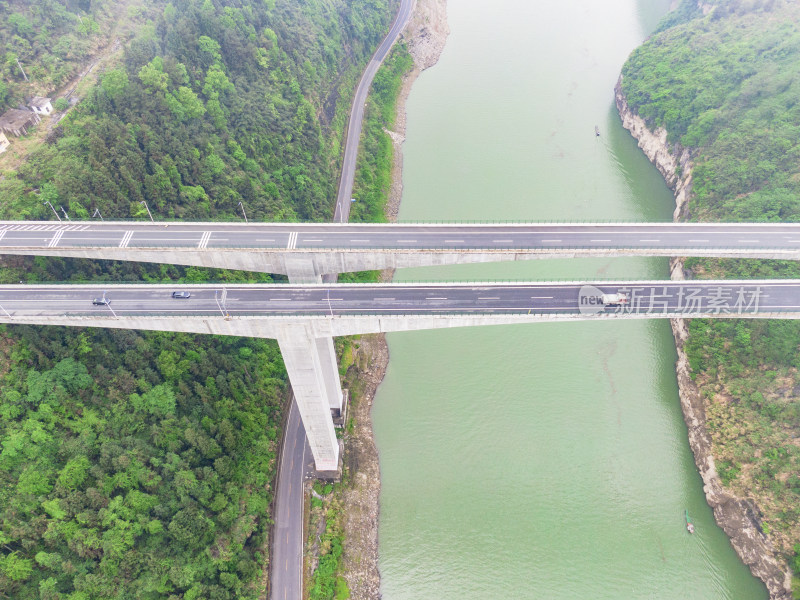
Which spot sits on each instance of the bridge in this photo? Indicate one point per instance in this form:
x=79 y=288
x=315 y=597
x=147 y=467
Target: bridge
x=305 y=318
x=306 y=252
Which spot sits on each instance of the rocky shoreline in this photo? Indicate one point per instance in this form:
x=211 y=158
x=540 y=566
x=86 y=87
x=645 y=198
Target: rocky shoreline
x=738 y=517
x=425 y=36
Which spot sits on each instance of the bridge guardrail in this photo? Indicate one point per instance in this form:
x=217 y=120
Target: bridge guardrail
x=405 y=248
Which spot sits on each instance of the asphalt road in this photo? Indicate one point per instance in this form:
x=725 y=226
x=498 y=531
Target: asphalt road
x=287 y=550
x=287 y=533
x=342 y=211
x=662 y=297
x=305 y=236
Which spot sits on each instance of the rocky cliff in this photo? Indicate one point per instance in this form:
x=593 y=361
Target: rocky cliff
x=738 y=517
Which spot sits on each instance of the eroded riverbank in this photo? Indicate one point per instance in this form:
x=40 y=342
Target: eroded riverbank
x=737 y=516
x=425 y=36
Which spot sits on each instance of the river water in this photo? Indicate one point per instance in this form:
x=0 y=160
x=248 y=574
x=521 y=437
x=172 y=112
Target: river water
x=539 y=461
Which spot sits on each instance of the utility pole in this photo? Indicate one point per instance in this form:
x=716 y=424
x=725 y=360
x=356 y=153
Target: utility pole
x=65 y=213
x=97 y=214
x=243 y=213
x=53 y=209
x=148 y=210
x=21 y=69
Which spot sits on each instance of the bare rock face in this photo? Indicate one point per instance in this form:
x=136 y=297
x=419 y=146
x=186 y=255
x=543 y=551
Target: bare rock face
x=427 y=32
x=738 y=517
x=673 y=161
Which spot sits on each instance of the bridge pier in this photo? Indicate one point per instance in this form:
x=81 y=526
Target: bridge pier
x=311 y=364
x=313 y=374
x=302 y=269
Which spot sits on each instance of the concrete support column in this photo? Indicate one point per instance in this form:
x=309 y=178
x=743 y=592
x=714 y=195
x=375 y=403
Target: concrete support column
x=301 y=269
x=307 y=374
x=330 y=371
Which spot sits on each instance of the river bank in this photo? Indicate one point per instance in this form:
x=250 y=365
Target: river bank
x=738 y=517
x=425 y=36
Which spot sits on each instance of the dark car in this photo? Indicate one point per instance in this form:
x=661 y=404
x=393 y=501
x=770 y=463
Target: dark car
x=181 y=295
x=101 y=301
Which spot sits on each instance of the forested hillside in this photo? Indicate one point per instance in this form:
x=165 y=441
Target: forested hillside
x=138 y=464
x=726 y=86
x=213 y=106
x=44 y=43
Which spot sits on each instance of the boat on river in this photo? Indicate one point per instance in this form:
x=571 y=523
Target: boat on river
x=689 y=525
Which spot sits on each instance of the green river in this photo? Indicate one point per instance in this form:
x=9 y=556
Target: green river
x=539 y=461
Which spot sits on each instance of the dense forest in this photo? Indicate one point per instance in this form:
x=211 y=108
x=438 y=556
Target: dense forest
x=140 y=464
x=211 y=106
x=45 y=42
x=725 y=83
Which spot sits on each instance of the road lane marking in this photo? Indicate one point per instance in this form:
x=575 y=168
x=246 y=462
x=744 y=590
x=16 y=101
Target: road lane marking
x=308 y=239
x=541 y=297
x=599 y=240
x=502 y=241
x=189 y=239
x=649 y=240
x=406 y=241
x=56 y=237
x=544 y=241
x=698 y=240
x=489 y=298
x=2 y=233
x=204 y=240
x=436 y=298
x=362 y=241
x=748 y=241
x=454 y=241
x=292 y=243
x=126 y=239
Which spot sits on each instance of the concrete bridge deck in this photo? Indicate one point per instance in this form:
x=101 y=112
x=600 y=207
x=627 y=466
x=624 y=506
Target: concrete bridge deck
x=307 y=251
x=345 y=309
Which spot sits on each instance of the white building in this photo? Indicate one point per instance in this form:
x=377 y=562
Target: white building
x=40 y=105
x=4 y=143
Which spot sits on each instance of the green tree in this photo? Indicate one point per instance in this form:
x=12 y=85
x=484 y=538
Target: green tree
x=74 y=473
x=152 y=75
x=115 y=82
x=185 y=104
x=16 y=568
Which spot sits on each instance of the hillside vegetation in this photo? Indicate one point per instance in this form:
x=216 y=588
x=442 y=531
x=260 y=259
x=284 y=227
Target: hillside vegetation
x=726 y=86
x=140 y=464
x=44 y=43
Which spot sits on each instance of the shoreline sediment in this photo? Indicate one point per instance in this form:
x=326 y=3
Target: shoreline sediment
x=425 y=36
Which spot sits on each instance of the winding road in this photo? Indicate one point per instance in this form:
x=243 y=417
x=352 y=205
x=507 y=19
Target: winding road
x=286 y=581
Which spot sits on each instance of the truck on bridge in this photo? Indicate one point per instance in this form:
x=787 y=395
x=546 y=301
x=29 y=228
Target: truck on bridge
x=614 y=299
